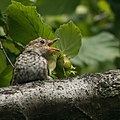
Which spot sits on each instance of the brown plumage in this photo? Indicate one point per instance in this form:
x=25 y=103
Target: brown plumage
x=32 y=64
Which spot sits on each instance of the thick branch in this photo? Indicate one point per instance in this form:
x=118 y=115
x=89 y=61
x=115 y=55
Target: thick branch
x=91 y=96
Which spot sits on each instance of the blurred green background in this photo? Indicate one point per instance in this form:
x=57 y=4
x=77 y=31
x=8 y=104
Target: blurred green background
x=98 y=21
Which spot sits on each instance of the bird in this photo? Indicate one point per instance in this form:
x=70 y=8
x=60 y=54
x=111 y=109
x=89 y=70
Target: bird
x=32 y=63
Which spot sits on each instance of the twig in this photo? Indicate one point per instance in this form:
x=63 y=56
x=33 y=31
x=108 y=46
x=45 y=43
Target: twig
x=1 y=46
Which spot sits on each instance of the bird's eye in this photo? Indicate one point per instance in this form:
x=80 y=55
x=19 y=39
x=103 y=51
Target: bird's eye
x=42 y=41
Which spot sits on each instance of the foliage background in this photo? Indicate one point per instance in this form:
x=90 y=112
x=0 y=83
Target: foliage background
x=97 y=20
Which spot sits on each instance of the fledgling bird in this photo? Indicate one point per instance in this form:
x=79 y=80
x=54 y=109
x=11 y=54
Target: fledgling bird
x=32 y=64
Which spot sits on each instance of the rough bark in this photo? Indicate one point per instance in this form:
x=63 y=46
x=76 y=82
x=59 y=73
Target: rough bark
x=86 y=97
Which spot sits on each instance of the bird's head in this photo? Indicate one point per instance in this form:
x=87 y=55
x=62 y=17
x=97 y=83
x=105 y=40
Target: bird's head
x=42 y=46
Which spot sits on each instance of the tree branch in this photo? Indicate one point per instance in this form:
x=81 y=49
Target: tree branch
x=87 y=97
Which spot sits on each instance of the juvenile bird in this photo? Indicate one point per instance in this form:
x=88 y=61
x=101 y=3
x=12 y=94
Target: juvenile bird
x=32 y=64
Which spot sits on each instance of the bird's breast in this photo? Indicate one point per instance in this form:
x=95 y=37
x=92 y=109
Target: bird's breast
x=29 y=67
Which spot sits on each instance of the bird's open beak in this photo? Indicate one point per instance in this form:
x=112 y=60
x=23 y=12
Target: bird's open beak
x=50 y=43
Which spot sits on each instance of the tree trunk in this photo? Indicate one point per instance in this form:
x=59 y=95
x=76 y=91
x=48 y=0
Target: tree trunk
x=86 y=97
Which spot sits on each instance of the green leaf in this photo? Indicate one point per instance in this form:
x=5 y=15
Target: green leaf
x=11 y=47
x=25 y=23
x=70 y=39
x=26 y=2
x=56 y=6
x=100 y=48
x=44 y=7
x=4 y=4
x=6 y=76
x=3 y=62
x=104 y=6
x=2 y=33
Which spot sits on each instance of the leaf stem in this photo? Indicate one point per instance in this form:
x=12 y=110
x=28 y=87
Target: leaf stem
x=1 y=46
